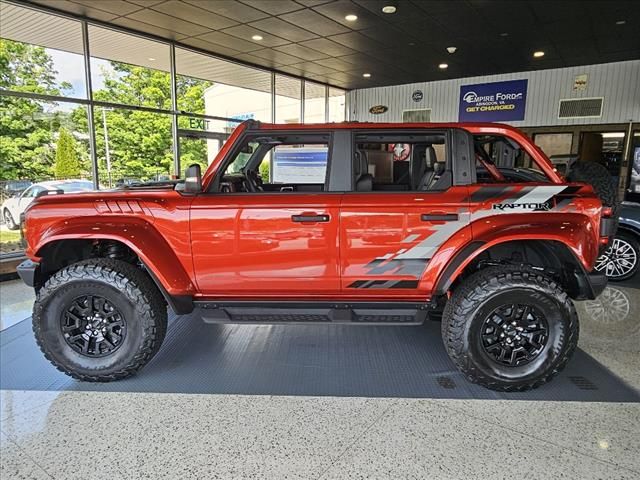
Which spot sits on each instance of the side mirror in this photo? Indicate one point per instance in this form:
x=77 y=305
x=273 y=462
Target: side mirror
x=193 y=179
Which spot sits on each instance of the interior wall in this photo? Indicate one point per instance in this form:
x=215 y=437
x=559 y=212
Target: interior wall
x=618 y=83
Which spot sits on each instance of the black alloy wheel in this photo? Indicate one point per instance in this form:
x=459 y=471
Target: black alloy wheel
x=514 y=335
x=92 y=326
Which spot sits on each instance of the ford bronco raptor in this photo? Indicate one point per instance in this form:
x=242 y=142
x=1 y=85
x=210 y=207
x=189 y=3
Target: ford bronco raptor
x=355 y=223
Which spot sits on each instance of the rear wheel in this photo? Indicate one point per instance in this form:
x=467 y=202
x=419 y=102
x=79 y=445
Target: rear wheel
x=99 y=320
x=9 y=221
x=509 y=328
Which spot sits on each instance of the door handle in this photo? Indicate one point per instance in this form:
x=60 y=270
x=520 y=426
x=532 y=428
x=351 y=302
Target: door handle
x=439 y=217
x=310 y=218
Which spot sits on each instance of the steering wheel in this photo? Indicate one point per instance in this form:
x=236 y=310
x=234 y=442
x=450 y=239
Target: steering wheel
x=252 y=181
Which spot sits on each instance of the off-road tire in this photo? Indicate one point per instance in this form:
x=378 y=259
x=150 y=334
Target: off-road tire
x=599 y=178
x=473 y=301
x=9 y=221
x=120 y=283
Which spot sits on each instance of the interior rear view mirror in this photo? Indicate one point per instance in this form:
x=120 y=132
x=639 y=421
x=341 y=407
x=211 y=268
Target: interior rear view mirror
x=193 y=179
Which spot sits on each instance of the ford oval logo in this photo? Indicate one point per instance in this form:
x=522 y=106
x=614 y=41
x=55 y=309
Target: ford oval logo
x=378 y=109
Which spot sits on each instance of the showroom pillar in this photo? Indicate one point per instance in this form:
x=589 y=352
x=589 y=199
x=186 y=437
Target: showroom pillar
x=302 y=101
x=90 y=121
x=326 y=103
x=174 y=108
x=273 y=97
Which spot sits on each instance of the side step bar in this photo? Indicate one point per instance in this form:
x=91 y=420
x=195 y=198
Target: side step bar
x=347 y=313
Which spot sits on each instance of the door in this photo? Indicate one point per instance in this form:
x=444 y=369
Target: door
x=252 y=239
x=392 y=225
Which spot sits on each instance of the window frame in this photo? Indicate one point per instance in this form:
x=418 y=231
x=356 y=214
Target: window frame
x=247 y=136
x=394 y=134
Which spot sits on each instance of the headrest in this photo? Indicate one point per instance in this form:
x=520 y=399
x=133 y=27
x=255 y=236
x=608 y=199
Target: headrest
x=430 y=155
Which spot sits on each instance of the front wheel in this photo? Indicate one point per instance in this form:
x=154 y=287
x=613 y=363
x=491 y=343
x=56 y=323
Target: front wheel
x=99 y=320
x=510 y=328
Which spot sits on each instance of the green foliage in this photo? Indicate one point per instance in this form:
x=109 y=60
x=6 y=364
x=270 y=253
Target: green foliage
x=67 y=164
x=25 y=133
x=264 y=168
x=140 y=143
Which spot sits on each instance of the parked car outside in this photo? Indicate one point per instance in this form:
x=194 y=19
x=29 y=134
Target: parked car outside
x=12 y=188
x=620 y=260
x=13 y=207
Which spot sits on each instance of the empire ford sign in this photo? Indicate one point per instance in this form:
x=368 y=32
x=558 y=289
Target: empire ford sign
x=493 y=102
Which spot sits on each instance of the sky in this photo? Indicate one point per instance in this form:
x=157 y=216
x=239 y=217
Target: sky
x=70 y=68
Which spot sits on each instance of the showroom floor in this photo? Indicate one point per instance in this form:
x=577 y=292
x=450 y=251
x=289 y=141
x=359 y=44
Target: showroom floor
x=254 y=423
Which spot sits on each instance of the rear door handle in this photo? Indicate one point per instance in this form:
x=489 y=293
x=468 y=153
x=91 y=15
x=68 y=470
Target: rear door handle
x=310 y=218
x=439 y=217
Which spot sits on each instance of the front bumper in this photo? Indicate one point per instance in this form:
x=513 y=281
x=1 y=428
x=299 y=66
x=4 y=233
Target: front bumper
x=28 y=272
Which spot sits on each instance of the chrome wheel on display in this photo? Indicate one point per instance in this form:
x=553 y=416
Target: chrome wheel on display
x=619 y=261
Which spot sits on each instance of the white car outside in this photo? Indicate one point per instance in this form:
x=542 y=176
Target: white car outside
x=13 y=207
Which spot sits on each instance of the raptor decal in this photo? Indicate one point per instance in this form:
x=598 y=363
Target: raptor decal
x=413 y=259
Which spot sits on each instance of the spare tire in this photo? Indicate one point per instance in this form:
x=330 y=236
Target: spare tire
x=600 y=179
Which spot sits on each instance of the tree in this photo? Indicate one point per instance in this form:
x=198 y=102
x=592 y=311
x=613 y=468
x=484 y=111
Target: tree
x=140 y=142
x=67 y=163
x=25 y=132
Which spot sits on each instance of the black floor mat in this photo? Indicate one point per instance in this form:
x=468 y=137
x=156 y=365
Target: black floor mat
x=314 y=360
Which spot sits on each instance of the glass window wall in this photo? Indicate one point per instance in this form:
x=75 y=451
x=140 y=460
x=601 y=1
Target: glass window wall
x=46 y=130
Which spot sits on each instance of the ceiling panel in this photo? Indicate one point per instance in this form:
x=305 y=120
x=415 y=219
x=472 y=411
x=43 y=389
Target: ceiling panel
x=301 y=51
x=284 y=29
x=314 y=22
x=246 y=32
x=274 y=7
x=230 y=41
x=168 y=22
x=313 y=39
x=193 y=14
x=329 y=47
x=232 y=9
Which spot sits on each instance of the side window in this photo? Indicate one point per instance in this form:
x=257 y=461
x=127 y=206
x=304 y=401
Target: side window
x=499 y=160
x=32 y=192
x=277 y=163
x=394 y=162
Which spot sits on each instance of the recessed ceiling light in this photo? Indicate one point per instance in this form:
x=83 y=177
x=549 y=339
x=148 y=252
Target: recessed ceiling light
x=257 y=38
x=351 y=17
x=412 y=44
x=621 y=22
x=389 y=9
x=152 y=59
x=504 y=34
x=443 y=66
x=366 y=75
x=538 y=54
x=452 y=49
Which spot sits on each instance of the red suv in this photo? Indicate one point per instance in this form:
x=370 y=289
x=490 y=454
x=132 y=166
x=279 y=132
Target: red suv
x=364 y=224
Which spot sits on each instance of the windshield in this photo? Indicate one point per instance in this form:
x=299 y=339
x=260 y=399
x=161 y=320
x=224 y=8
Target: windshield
x=242 y=159
x=75 y=187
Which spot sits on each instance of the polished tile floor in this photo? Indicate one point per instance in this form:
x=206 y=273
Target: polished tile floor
x=95 y=435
